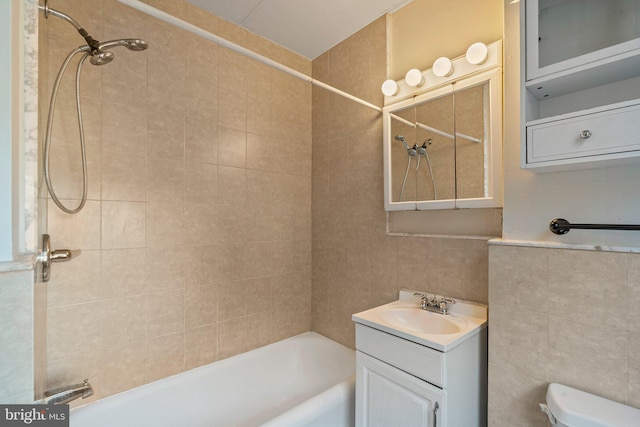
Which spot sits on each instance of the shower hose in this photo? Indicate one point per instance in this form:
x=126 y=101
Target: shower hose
x=406 y=174
x=47 y=140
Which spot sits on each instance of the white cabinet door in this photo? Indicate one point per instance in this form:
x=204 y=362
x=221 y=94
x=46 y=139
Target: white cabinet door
x=580 y=56
x=389 y=397
x=569 y=34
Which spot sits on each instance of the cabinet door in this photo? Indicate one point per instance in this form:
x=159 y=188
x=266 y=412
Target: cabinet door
x=565 y=34
x=389 y=397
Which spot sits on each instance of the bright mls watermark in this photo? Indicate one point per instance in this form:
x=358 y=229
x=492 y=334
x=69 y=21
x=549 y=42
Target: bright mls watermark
x=34 y=415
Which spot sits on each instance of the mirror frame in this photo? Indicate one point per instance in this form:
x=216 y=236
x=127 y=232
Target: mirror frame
x=492 y=150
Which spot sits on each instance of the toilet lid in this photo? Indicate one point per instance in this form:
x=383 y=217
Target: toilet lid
x=578 y=408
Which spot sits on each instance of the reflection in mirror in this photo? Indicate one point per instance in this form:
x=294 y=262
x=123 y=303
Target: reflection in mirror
x=437 y=138
x=471 y=124
x=443 y=148
x=424 y=168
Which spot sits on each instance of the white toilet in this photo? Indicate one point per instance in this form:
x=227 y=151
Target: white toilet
x=568 y=407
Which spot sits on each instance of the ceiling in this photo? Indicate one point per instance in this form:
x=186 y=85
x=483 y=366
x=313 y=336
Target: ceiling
x=308 y=27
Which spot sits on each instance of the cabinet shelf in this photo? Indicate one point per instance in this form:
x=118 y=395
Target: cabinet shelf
x=585 y=112
x=587 y=75
x=580 y=79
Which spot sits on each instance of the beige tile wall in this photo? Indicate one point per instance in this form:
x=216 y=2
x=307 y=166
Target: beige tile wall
x=16 y=336
x=355 y=265
x=196 y=237
x=563 y=316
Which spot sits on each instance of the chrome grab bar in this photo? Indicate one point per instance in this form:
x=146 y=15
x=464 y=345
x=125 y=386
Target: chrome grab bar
x=562 y=226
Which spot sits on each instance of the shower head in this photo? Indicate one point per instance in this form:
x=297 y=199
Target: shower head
x=101 y=58
x=96 y=49
x=401 y=139
x=423 y=149
x=136 y=45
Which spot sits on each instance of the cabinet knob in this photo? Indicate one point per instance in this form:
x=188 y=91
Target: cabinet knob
x=585 y=134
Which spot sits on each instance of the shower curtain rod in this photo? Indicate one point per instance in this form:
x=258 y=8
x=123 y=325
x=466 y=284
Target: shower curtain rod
x=432 y=129
x=163 y=16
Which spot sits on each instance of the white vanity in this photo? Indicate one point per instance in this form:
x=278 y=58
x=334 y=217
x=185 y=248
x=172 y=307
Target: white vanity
x=418 y=368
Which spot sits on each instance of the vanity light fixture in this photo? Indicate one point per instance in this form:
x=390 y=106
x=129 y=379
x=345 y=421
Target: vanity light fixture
x=414 y=78
x=390 y=88
x=477 y=54
x=442 y=67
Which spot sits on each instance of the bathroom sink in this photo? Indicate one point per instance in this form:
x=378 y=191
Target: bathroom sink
x=405 y=319
x=417 y=320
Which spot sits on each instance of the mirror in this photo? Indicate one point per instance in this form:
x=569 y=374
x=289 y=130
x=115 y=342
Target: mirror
x=471 y=137
x=423 y=160
x=443 y=149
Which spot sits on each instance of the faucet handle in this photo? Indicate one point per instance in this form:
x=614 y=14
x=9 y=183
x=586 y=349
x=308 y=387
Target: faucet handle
x=424 y=299
x=423 y=296
x=444 y=304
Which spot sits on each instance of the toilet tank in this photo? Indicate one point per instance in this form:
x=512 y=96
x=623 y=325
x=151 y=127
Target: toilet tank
x=570 y=407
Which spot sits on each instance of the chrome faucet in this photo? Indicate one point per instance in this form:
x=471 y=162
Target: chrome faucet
x=434 y=304
x=66 y=394
x=424 y=300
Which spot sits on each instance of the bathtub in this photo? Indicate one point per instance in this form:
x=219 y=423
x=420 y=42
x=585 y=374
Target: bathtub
x=306 y=380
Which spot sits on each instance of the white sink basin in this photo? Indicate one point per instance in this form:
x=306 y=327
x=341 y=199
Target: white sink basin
x=405 y=319
x=417 y=320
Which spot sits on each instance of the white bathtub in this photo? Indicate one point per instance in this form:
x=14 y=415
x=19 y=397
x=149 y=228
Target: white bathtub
x=307 y=380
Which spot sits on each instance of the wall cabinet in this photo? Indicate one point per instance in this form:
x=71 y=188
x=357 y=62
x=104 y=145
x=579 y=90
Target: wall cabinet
x=580 y=78
x=403 y=383
x=443 y=139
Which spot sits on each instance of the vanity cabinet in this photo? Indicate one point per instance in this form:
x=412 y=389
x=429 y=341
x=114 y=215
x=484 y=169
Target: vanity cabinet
x=580 y=80
x=402 y=383
x=391 y=397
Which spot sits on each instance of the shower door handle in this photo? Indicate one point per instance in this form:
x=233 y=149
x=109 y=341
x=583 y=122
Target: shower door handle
x=47 y=256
